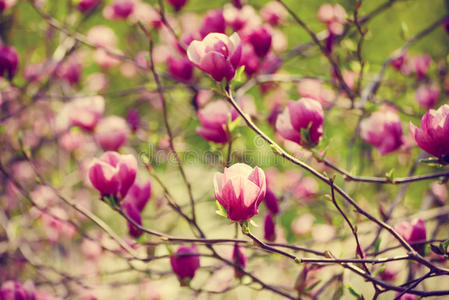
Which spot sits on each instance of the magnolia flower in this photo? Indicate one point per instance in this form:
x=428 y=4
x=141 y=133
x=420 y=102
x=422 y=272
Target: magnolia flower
x=113 y=173
x=383 y=130
x=240 y=189
x=301 y=122
x=111 y=133
x=433 y=136
x=269 y=228
x=334 y=16
x=260 y=38
x=177 y=4
x=86 y=112
x=217 y=54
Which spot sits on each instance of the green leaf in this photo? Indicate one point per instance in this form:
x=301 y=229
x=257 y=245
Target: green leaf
x=221 y=210
x=240 y=75
x=377 y=245
x=353 y=292
x=245 y=227
x=232 y=124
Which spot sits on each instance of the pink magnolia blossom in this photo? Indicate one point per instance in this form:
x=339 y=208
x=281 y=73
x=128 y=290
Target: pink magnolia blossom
x=413 y=233
x=406 y=296
x=250 y=60
x=177 y=4
x=111 y=133
x=71 y=71
x=214 y=118
x=303 y=115
x=240 y=189
x=217 y=54
x=139 y=194
x=102 y=36
x=274 y=13
x=239 y=259
x=91 y=249
x=9 y=61
x=185 y=266
x=113 y=173
x=56 y=224
x=120 y=9
x=260 y=38
x=433 y=136
x=427 y=95
x=269 y=228
x=383 y=130
x=180 y=68
x=306 y=189
x=238 y=18
x=86 y=112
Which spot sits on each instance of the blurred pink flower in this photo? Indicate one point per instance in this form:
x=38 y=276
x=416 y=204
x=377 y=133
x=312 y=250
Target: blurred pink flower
x=139 y=194
x=133 y=119
x=406 y=296
x=237 y=18
x=413 y=233
x=86 y=112
x=269 y=228
x=112 y=132
x=240 y=189
x=213 y=22
x=134 y=214
x=91 y=249
x=177 y=4
x=433 y=136
x=383 y=130
x=87 y=5
x=102 y=36
x=239 y=259
x=214 y=118
x=274 y=13
x=306 y=189
x=180 y=68
x=9 y=61
x=113 y=173
x=260 y=38
x=271 y=202
x=56 y=224
x=421 y=64
x=185 y=266
x=13 y=290
x=303 y=115
x=427 y=95
x=334 y=15
x=313 y=88
x=217 y=54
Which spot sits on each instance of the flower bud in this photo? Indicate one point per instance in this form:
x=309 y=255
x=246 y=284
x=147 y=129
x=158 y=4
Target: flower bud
x=433 y=136
x=113 y=173
x=240 y=189
x=214 y=118
x=180 y=68
x=239 y=259
x=185 y=263
x=334 y=16
x=427 y=95
x=9 y=61
x=413 y=233
x=217 y=54
x=111 y=133
x=406 y=296
x=260 y=38
x=301 y=122
x=177 y=4
x=269 y=228
x=383 y=130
